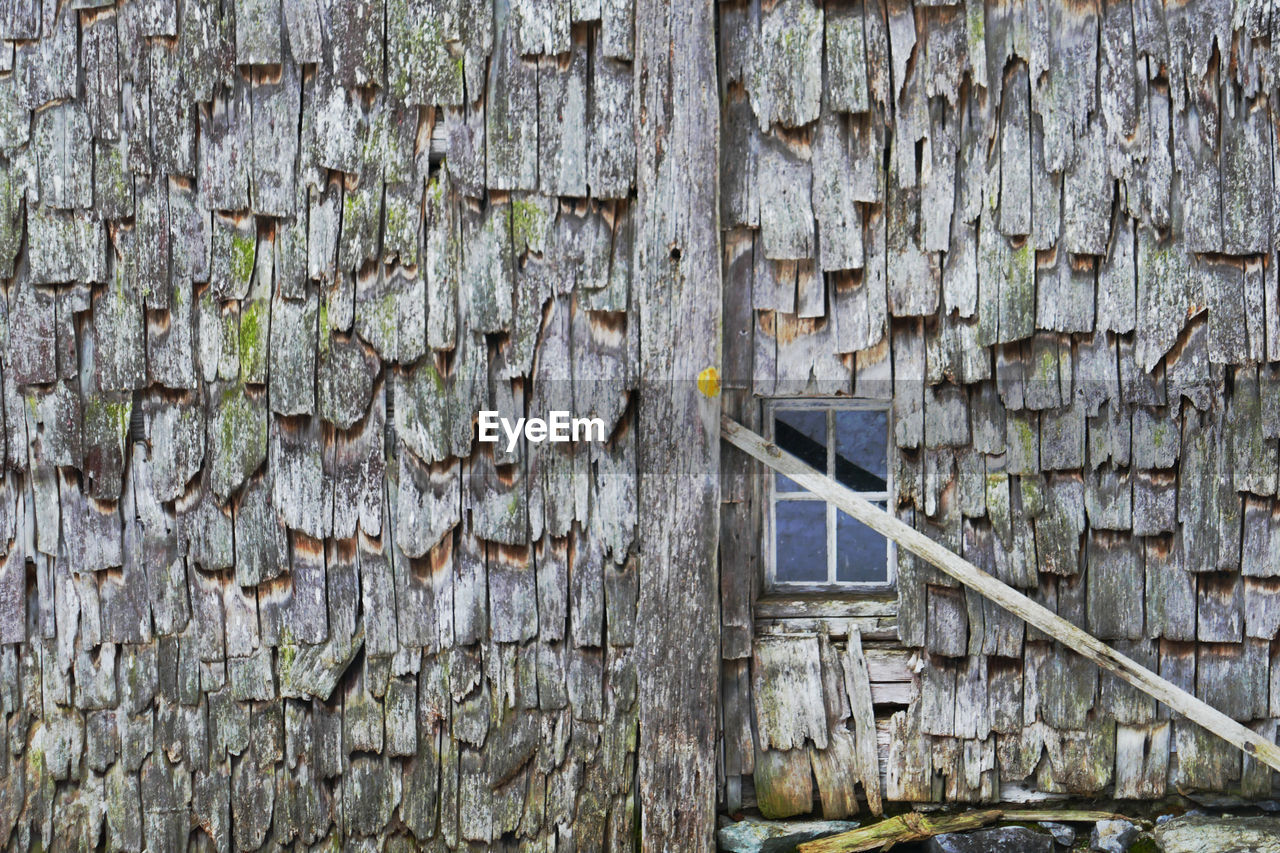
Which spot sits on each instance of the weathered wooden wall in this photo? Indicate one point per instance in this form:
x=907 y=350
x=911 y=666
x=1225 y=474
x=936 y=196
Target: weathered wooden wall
x=262 y=261
x=1046 y=231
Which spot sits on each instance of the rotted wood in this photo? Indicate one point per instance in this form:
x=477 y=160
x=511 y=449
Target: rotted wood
x=913 y=826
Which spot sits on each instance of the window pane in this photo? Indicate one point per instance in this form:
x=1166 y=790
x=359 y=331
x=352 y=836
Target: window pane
x=861 y=553
x=802 y=433
x=862 y=459
x=801 y=541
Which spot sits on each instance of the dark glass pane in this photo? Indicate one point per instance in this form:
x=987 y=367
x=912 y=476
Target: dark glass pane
x=862 y=460
x=862 y=555
x=801 y=541
x=802 y=433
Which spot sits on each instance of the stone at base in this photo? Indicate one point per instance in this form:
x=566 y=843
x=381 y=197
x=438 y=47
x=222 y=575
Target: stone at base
x=1205 y=834
x=1063 y=834
x=1113 y=836
x=1003 y=839
x=777 y=836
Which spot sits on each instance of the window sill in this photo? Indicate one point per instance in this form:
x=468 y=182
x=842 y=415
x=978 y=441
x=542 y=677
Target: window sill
x=827 y=603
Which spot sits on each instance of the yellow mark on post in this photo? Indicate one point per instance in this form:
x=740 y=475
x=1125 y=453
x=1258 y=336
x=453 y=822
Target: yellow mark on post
x=709 y=382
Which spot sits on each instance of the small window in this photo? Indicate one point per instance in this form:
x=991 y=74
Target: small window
x=813 y=544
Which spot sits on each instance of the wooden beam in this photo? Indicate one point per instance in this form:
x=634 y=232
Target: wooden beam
x=677 y=274
x=1006 y=596
x=913 y=826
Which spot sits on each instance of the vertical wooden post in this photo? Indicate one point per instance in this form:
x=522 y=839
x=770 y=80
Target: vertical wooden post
x=677 y=279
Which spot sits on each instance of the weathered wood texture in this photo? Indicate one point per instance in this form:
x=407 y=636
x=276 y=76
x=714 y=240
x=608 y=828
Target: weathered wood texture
x=677 y=293
x=261 y=262
x=772 y=685
x=1046 y=232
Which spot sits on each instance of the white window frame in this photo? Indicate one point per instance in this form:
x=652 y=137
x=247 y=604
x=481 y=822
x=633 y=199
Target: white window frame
x=830 y=406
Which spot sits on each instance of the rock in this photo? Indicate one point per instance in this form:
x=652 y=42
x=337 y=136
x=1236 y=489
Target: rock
x=1063 y=834
x=1002 y=839
x=1207 y=834
x=1165 y=818
x=777 y=836
x=1113 y=836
